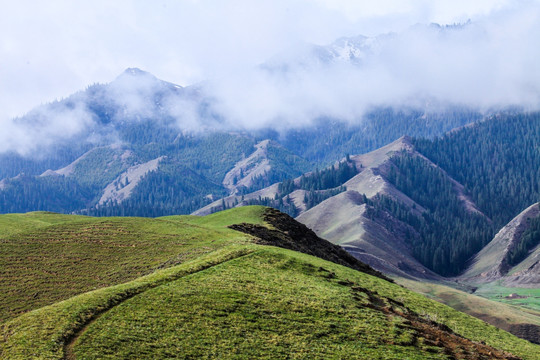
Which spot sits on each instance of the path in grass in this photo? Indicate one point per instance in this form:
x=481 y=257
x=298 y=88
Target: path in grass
x=70 y=342
x=275 y=303
x=58 y=261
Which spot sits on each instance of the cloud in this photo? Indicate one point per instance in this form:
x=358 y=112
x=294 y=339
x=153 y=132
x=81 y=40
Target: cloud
x=43 y=127
x=487 y=64
x=54 y=48
x=50 y=50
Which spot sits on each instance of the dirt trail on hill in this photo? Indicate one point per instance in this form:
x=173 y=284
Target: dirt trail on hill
x=70 y=340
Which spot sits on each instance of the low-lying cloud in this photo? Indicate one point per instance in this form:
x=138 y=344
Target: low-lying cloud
x=48 y=126
x=488 y=63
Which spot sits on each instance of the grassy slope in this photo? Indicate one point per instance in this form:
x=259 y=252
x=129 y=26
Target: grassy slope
x=499 y=314
x=50 y=257
x=17 y=223
x=241 y=300
x=530 y=297
x=233 y=309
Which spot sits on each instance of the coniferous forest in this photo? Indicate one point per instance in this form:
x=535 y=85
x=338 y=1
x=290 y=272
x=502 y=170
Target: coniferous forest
x=498 y=162
x=449 y=233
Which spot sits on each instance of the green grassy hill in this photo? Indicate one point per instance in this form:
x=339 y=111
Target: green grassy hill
x=191 y=287
x=50 y=257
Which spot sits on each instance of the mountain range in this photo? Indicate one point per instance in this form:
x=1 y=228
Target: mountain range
x=441 y=198
x=144 y=126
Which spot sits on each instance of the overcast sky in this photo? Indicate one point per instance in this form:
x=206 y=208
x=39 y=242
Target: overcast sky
x=50 y=49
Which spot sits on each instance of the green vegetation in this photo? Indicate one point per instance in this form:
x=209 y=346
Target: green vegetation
x=44 y=333
x=11 y=224
x=286 y=206
x=59 y=256
x=51 y=193
x=233 y=309
x=449 y=232
x=313 y=198
x=248 y=214
x=498 y=162
x=528 y=298
x=219 y=294
x=328 y=139
x=329 y=178
x=13 y=164
x=101 y=166
x=162 y=193
x=487 y=303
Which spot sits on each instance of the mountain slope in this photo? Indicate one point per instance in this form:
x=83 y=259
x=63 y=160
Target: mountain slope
x=507 y=270
x=381 y=242
x=243 y=299
x=130 y=122
x=367 y=208
x=58 y=256
x=269 y=163
x=349 y=220
x=411 y=188
x=524 y=322
x=497 y=161
x=492 y=262
x=121 y=188
x=148 y=118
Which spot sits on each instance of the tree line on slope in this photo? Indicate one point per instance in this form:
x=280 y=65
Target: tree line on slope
x=327 y=139
x=319 y=185
x=449 y=233
x=528 y=241
x=498 y=162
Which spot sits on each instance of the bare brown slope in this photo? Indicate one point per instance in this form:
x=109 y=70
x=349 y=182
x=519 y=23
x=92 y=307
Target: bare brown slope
x=377 y=238
x=379 y=241
x=490 y=263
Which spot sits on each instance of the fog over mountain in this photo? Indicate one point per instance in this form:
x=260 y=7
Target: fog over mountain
x=260 y=68
x=478 y=65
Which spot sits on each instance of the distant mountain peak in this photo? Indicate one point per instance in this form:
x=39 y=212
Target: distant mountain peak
x=135 y=72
